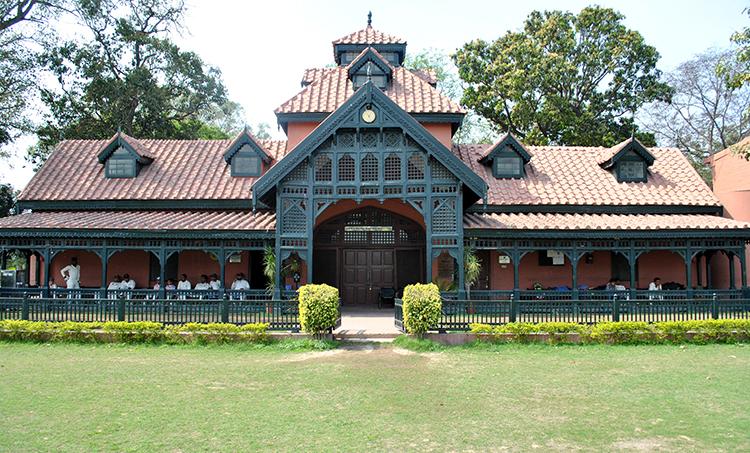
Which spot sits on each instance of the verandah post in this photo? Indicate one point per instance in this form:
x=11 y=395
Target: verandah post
x=513 y=304
x=25 y=307
x=225 y=310
x=715 y=308
x=121 y=309
x=615 y=309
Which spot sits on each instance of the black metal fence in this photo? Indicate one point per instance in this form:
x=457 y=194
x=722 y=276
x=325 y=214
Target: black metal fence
x=501 y=307
x=279 y=314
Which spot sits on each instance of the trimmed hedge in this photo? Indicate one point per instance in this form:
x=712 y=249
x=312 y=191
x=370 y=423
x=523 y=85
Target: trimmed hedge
x=131 y=332
x=699 y=331
x=318 y=308
x=422 y=307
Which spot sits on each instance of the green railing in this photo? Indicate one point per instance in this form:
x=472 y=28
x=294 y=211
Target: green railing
x=279 y=314
x=459 y=314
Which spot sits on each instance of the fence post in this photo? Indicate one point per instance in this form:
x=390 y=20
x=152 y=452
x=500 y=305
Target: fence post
x=25 y=307
x=715 y=308
x=225 y=310
x=615 y=309
x=121 y=309
x=512 y=314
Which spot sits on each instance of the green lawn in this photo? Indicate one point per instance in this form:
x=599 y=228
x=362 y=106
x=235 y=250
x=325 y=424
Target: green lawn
x=237 y=398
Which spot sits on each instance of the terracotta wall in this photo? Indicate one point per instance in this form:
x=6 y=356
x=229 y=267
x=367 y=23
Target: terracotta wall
x=91 y=268
x=731 y=184
x=441 y=131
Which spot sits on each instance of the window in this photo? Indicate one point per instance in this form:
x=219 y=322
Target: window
x=631 y=170
x=508 y=166
x=369 y=168
x=246 y=162
x=121 y=164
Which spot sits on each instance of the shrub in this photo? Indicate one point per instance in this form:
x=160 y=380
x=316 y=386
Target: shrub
x=318 y=308
x=422 y=307
x=18 y=329
x=73 y=331
x=628 y=332
x=256 y=331
x=135 y=332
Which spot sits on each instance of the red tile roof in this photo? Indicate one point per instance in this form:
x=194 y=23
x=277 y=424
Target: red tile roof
x=530 y=221
x=181 y=170
x=567 y=175
x=143 y=220
x=369 y=36
x=332 y=87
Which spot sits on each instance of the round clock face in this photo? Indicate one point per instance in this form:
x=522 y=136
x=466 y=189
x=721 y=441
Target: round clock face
x=368 y=116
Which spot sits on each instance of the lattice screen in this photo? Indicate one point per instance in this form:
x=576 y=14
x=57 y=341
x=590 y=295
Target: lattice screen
x=444 y=217
x=392 y=168
x=323 y=166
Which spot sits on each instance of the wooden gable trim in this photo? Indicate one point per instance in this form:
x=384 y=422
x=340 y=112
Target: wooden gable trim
x=369 y=55
x=389 y=114
x=245 y=138
x=620 y=150
x=129 y=144
x=507 y=140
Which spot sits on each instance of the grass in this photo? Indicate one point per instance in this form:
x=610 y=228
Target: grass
x=372 y=397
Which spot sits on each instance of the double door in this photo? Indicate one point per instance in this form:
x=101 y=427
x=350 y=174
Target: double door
x=365 y=271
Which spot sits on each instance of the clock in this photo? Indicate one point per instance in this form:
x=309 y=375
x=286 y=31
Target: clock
x=368 y=116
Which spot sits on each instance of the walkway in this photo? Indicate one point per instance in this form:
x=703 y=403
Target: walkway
x=366 y=324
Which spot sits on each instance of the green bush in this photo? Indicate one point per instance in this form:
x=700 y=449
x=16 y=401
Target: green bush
x=135 y=332
x=73 y=331
x=318 y=308
x=422 y=307
x=17 y=329
x=257 y=332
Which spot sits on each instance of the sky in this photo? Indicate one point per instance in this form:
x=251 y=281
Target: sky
x=263 y=48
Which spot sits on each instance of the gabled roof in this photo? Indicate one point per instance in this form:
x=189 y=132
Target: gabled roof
x=313 y=74
x=613 y=154
x=506 y=140
x=182 y=170
x=562 y=176
x=245 y=138
x=333 y=87
x=369 y=55
x=369 y=36
x=128 y=143
x=346 y=115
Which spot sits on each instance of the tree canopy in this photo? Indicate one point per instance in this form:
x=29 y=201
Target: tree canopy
x=705 y=115
x=563 y=79
x=130 y=76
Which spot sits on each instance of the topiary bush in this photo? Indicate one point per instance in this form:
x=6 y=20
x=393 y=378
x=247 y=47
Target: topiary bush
x=318 y=308
x=422 y=308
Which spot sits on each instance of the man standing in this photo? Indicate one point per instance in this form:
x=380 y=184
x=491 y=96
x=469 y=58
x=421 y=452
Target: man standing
x=72 y=274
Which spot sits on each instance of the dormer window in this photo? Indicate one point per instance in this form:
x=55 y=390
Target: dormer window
x=507 y=157
x=628 y=161
x=508 y=165
x=631 y=167
x=246 y=162
x=121 y=164
x=379 y=79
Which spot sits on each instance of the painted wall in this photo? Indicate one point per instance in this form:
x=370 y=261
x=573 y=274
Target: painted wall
x=296 y=132
x=395 y=206
x=731 y=184
x=441 y=131
x=91 y=268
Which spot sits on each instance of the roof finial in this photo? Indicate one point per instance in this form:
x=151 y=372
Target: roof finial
x=369 y=19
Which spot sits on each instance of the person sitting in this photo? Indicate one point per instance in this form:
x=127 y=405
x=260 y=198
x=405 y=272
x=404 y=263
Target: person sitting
x=240 y=282
x=114 y=286
x=170 y=287
x=215 y=283
x=204 y=283
x=655 y=286
x=183 y=285
x=612 y=284
x=127 y=284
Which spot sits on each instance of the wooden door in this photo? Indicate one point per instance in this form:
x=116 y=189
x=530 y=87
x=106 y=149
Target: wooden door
x=365 y=271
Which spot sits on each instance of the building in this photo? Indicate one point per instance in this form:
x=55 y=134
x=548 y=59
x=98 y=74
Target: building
x=368 y=192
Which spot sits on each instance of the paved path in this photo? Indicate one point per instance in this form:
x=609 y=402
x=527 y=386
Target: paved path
x=366 y=324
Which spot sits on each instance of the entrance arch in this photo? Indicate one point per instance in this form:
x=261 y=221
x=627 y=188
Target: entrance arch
x=364 y=250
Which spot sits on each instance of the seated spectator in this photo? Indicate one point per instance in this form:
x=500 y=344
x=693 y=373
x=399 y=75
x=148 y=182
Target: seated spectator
x=157 y=285
x=215 y=283
x=204 y=283
x=184 y=283
x=127 y=283
x=51 y=283
x=170 y=284
x=240 y=282
x=114 y=285
x=655 y=286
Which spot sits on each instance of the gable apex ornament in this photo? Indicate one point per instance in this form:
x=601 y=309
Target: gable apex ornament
x=369 y=19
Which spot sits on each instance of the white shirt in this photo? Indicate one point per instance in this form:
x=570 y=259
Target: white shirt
x=130 y=284
x=202 y=286
x=240 y=284
x=74 y=274
x=184 y=285
x=115 y=285
x=215 y=285
x=654 y=287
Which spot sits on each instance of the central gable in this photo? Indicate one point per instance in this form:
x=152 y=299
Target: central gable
x=369 y=117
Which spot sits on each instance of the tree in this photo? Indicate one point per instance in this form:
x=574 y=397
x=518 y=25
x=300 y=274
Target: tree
x=129 y=77
x=706 y=115
x=21 y=22
x=474 y=128
x=564 y=79
x=7 y=200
